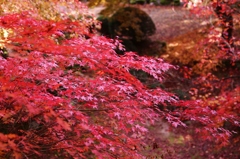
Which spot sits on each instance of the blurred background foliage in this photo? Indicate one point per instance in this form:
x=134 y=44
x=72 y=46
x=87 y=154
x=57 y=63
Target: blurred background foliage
x=54 y=10
x=47 y=9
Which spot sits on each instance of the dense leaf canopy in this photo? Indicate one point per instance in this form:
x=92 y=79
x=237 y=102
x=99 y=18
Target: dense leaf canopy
x=65 y=93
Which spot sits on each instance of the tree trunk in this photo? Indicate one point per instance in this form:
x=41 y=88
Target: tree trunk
x=224 y=13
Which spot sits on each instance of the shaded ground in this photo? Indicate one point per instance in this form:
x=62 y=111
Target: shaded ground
x=173 y=21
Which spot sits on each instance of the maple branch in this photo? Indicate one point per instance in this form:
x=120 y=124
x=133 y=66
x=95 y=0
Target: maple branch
x=94 y=110
x=230 y=77
x=228 y=45
x=224 y=14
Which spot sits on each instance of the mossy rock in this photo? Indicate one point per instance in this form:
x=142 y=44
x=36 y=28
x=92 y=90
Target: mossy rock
x=128 y=23
x=133 y=27
x=128 y=46
x=137 y=1
x=170 y=2
x=106 y=26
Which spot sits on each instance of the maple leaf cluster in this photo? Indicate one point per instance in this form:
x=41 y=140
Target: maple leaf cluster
x=66 y=93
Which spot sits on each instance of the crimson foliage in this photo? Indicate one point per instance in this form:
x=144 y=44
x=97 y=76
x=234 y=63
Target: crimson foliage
x=66 y=93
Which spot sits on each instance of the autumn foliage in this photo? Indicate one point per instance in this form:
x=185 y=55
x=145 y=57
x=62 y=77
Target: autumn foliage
x=65 y=93
x=213 y=68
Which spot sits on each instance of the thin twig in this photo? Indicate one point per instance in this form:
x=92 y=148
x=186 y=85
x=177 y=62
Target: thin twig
x=230 y=77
